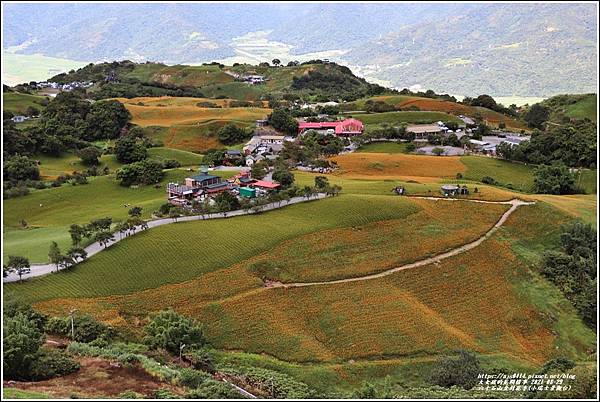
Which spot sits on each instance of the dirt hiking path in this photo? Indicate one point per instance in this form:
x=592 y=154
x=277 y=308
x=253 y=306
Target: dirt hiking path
x=515 y=203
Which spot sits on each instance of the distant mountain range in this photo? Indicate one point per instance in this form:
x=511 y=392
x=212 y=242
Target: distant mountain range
x=465 y=49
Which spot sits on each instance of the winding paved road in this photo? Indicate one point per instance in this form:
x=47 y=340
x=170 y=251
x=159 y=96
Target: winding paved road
x=95 y=248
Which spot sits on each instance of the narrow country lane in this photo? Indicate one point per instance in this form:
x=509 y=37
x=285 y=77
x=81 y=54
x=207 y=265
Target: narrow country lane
x=95 y=248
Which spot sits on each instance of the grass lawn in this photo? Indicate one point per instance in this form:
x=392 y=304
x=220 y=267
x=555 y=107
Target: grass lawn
x=587 y=180
x=384 y=147
x=395 y=100
x=184 y=157
x=52 y=166
x=235 y=90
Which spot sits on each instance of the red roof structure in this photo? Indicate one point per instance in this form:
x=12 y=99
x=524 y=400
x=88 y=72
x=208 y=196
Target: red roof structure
x=345 y=127
x=265 y=184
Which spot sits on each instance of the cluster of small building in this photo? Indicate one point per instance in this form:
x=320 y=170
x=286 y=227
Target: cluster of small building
x=261 y=147
x=252 y=79
x=341 y=128
x=64 y=87
x=204 y=186
x=314 y=106
x=422 y=131
x=488 y=144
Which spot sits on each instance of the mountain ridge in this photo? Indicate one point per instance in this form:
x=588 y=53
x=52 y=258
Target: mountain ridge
x=503 y=49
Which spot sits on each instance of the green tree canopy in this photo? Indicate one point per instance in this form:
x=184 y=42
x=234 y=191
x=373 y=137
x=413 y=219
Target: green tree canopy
x=129 y=150
x=143 y=172
x=282 y=175
x=89 y=155
x=461 y=370
x=169 y=330
x=22 y=340
x=105 y=120
x=282 y=119
x=553 y=179
x=536 y=116
x=17 y=168
x=231 y=134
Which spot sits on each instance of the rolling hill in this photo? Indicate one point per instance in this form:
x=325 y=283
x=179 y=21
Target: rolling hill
x=429 y=310
x=466 y=49
x=573 y=106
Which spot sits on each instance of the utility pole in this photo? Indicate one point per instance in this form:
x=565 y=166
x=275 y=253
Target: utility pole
x=72 y=316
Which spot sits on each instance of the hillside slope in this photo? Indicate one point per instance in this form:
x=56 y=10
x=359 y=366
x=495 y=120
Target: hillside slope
x=573 y=106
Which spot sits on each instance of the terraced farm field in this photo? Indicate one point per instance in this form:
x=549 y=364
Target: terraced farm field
x=375 y=247
x=213 y=271
x=362 y=165
x=380 y=160
x=210 y=245
x=435 y=308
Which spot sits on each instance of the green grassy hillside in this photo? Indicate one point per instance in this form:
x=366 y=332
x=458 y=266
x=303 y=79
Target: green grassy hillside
x=584 y=108
x=573 y=106
x=51 y=167
x=17 y=103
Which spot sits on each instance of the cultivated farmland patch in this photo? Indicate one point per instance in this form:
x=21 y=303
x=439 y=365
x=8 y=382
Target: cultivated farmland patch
x=380 y=165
